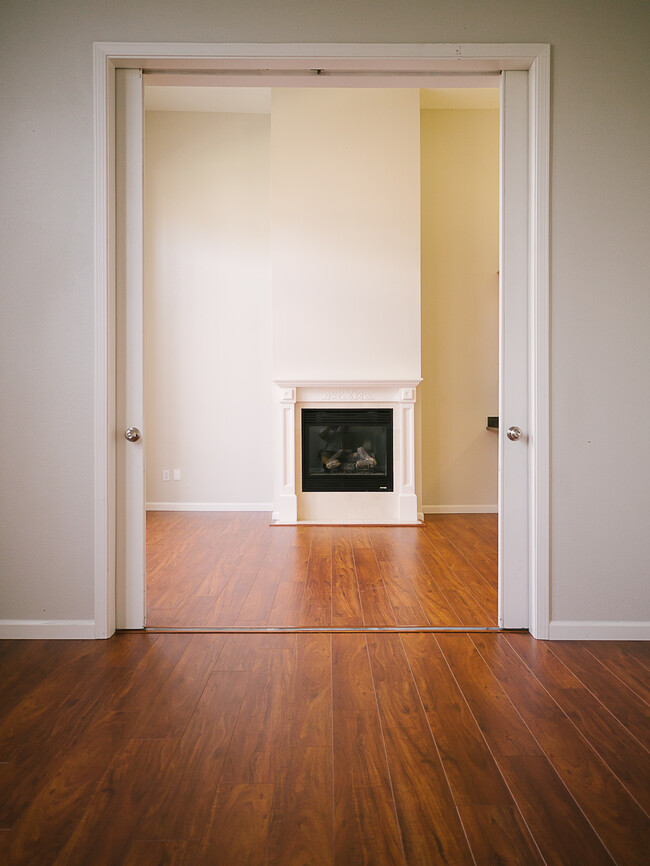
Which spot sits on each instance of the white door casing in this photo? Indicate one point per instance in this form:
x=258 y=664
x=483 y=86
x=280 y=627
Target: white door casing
x=524 y=539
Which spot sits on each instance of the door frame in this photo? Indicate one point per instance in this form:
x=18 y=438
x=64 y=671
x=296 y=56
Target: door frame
x=270 y=64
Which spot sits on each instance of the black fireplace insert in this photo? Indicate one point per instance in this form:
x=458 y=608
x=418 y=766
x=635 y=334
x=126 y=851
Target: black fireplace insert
x=347 y=449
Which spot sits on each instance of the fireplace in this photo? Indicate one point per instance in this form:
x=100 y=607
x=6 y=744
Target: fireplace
x=347 y=450
x=377 y=431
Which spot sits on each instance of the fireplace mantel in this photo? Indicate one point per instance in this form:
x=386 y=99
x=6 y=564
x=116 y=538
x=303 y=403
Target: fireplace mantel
x=295 y=506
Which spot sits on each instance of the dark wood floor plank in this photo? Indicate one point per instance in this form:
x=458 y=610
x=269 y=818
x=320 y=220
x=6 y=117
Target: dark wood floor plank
x=183 y=550
x=611 y=810
x=461 y=533
x=394 y=686
x=559 y=827
x=147 y=852
x=168 y=714
x=26 y=666
x=228 y=604
x=241 y=651
x=49 y=819
x=498 y=834
x=31 y=715
x=486 y=526
x=360 y=537
x=231 y=569
x=426 y=810
x=367 y=567
x=619 y=698
x=297 y=561
x=429 y=822
x=402 y=596
x=558 y=824
x=113 y=815
x=180 y=806
x=470 y=766
x=317 y=599
x=60 y=726
x=151 y=675
x=366 y=828
x=353 y=688
x=503 y=728
x=375 y=604
x=212 y=584
x=380 y=772
x=488 y=811
x=376 y=607
x=238 y=829
x=626 y=661
x=287 y=604
x=309 y=695
x=259 y=601
x=254 y=752
x=181 y=609
x=622 y=753
x=5 y=845
x=346 y=605
x=302 y=818
x=434 y=602
x=472 y=598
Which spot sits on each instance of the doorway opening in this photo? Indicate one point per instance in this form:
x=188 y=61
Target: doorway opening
x=118 y=597
x=207 y=316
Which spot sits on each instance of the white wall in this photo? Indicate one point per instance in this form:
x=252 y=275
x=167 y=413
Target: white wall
x=460 y=308
x=346 y=233
x=600 y=261
x=208 y=392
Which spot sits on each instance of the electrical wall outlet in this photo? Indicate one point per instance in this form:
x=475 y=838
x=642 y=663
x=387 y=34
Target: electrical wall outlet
x=177 y=474
x=165 y=474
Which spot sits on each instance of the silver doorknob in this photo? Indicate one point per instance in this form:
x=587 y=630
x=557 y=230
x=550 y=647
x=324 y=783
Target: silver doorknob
x=132 y=434
x=514 y=433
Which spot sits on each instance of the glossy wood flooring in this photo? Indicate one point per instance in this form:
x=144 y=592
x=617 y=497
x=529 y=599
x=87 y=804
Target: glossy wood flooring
x=308 y=749
x=233 y=569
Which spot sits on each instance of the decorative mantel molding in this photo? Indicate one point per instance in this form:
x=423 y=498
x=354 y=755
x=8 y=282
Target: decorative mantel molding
x=348 y=391
x=350 y=395
x=398 y=506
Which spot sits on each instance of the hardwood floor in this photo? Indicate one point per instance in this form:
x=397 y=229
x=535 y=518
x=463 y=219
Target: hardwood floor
x=233 y=569
x=324 y=749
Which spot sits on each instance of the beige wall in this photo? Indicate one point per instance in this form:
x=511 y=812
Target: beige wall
x=208 y=307
x=346 y=236
x=600 y=261
x=460 y=308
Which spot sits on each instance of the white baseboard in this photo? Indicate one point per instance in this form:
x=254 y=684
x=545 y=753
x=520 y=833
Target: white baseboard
x=567 y=629
x=460 y=509
x=47 y=629
x=209 y=506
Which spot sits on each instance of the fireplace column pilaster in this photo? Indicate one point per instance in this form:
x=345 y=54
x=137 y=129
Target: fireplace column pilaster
x=408 y=501
x=288 y=501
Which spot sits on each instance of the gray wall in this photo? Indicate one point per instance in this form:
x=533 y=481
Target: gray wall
x=600 y=299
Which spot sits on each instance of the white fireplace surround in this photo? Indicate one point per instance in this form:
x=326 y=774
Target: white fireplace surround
x=398 y=506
